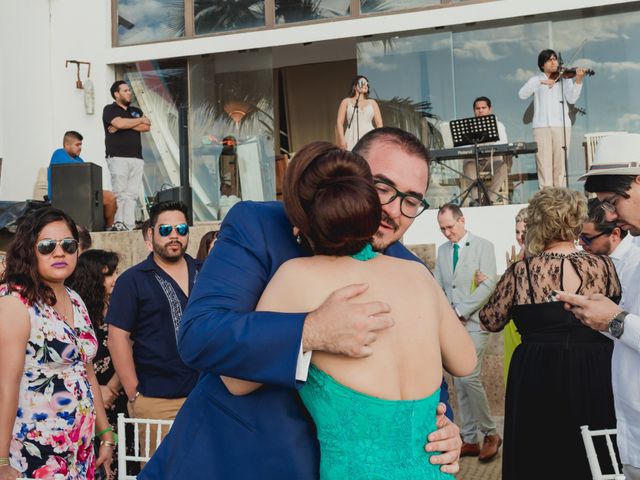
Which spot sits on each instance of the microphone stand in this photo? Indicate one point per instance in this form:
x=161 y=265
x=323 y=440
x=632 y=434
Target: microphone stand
x=357 y=115
x=564 y=122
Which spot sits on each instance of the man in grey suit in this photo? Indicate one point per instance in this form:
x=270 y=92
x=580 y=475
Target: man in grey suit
x=466 y=270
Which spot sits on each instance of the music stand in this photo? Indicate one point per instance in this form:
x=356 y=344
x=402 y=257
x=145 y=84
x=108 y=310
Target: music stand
x=474 y=131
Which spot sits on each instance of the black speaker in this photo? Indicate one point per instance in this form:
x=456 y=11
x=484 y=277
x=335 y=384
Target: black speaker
x=178 y=194
x=76 y=188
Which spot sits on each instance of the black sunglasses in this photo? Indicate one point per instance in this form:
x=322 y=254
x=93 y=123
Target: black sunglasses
x=588 y=240
x=165 y=230
x=48 y=245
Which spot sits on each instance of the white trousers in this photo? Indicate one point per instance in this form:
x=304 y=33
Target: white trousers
x=550 y=155
x=500 y=167
x=126 y=177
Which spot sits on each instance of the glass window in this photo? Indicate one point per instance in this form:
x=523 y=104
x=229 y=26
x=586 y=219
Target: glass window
x=495 y=63
x=608 y=101
x=231 y=131
x=149 y=21
x=377 y=6
x=412 y=80
x=290 y=11
x=211 y=16
x=159 y=89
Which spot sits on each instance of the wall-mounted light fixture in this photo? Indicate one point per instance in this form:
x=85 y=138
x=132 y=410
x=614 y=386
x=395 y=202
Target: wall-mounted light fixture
x=78 y=63
x=89 y=95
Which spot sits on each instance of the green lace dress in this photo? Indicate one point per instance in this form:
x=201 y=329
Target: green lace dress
x=368 y=438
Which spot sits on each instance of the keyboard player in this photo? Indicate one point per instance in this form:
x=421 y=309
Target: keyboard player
x=499 y=166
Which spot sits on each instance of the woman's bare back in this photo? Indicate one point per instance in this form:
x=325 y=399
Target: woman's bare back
x=407 y=359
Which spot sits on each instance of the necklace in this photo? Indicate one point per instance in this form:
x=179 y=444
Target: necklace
x=62 y=314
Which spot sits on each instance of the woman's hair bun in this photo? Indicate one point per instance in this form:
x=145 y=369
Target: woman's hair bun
x=329 y=195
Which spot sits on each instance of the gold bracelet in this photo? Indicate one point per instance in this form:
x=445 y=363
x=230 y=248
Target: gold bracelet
x=107 y=443
x=4 y=461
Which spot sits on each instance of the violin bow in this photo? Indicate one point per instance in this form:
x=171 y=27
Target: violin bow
x=573 y=57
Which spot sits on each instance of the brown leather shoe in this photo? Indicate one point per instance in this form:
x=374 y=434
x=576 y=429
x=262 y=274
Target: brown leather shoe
x=470 y=449
x=490 y=447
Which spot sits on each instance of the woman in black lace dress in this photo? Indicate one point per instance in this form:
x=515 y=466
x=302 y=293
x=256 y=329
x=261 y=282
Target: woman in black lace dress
x=94 y=279
x=560 y=376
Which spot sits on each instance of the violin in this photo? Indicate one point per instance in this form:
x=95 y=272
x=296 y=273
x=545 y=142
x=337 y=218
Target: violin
x=569 y=73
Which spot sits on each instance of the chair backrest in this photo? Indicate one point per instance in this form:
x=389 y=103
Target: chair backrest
x=141 y=426
x=594 y=464
x=592 y=139
x=57 y=476
x=40 y=186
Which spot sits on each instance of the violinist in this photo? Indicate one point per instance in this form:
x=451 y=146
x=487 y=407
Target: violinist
x=551 y=115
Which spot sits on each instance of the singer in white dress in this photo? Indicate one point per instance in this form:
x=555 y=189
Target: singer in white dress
x=357 y=114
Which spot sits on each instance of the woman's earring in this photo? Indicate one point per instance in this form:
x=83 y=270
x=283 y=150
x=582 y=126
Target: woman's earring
x=299 y=239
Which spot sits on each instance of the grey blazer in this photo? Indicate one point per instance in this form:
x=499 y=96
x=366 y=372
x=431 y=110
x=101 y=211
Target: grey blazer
x=477 y=254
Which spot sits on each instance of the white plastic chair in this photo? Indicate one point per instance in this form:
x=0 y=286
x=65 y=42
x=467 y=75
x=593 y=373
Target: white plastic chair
x=591 y=141
x=140 y=426
x=57 y=476
x=594 y=464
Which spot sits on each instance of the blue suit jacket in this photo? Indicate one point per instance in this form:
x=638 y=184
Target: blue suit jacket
x=266 y=434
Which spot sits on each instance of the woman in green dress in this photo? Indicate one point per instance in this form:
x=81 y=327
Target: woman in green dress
x=374 y=413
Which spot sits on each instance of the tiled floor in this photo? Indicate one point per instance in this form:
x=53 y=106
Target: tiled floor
x=472 y=469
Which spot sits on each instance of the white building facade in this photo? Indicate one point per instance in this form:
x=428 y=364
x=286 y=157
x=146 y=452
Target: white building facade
x=260 y=80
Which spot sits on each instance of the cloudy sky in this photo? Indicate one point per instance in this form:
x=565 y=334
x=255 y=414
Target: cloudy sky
x=451 y=69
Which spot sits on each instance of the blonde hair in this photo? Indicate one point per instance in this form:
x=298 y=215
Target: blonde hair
x=522 y=215
x=554 y=213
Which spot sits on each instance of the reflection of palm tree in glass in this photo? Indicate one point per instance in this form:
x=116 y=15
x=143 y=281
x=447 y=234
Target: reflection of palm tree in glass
x=219 y=15
x=224 y=15
x=414 y=117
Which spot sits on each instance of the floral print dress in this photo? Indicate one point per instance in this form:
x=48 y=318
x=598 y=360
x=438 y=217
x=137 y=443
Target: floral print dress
x=54 y=427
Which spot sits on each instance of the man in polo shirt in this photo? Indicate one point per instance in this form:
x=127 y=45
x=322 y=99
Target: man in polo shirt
x=70 y=153
x=123 y=124
x=144 y=316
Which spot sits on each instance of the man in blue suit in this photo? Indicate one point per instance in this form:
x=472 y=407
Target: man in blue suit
x=267 y=434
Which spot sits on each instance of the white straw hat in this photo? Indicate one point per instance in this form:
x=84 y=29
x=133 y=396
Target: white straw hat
x=616 y=155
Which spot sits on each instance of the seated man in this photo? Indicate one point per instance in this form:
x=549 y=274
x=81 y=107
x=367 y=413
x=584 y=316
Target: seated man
x=70 y=153
x=498 y=166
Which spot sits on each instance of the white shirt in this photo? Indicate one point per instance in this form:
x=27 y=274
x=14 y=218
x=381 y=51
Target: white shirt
x=302 y=366
x=502 y=133
x=625 y=363
x=626 y=257
x=547 y=109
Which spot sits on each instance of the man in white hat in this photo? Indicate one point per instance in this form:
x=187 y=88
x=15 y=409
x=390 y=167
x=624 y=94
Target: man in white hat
x=615 y=178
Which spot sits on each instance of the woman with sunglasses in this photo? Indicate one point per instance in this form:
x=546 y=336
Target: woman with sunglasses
x=47 y=344
x=360 y=113
x=372 y=414
x=94 y=280
x=560 y=375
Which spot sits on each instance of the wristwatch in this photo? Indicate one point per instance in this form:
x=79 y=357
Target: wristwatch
x=616 y=325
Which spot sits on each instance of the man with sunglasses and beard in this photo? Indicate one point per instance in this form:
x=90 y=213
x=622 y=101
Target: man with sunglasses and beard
x=267 y=434
x=602 y=237
x=144 y=316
